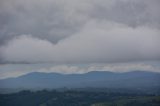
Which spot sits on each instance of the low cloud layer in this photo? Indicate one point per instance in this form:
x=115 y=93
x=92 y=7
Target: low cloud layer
x=79 y=31
x=10 y=70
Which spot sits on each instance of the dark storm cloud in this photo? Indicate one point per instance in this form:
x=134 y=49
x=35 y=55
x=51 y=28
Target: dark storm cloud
x=54 y=20
x=131 y=12
x=59 y=30
x=43 y=19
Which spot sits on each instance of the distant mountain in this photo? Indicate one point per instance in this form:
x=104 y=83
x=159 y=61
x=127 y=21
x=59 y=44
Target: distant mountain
x=97 y=79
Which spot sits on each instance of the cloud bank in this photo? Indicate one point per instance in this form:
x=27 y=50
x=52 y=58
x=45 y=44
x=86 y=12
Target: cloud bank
x=79 y=31
x=14 y=70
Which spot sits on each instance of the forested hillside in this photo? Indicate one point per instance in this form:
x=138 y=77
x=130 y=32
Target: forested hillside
x=78 y=98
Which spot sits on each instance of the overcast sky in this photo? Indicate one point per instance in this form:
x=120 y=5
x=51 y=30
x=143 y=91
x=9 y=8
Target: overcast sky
x=79 y=31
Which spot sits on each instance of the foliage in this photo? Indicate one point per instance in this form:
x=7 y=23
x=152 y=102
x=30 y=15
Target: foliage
x=77 y=98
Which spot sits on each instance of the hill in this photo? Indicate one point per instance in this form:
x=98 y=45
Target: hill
x=95 y=79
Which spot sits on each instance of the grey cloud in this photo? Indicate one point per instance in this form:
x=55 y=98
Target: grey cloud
x=96 y=42
x=56 y=19
x=46 y=20
x=53 y=21
x=131 y=12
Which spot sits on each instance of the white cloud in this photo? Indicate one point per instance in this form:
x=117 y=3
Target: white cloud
x=116 y=67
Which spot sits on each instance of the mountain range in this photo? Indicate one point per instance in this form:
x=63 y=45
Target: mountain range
x=97 y=79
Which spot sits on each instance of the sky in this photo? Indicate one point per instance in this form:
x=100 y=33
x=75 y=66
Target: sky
x=78 y=32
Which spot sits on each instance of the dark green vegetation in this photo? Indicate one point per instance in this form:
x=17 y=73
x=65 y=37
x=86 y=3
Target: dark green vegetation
x=79 y=98
x=133 y=101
